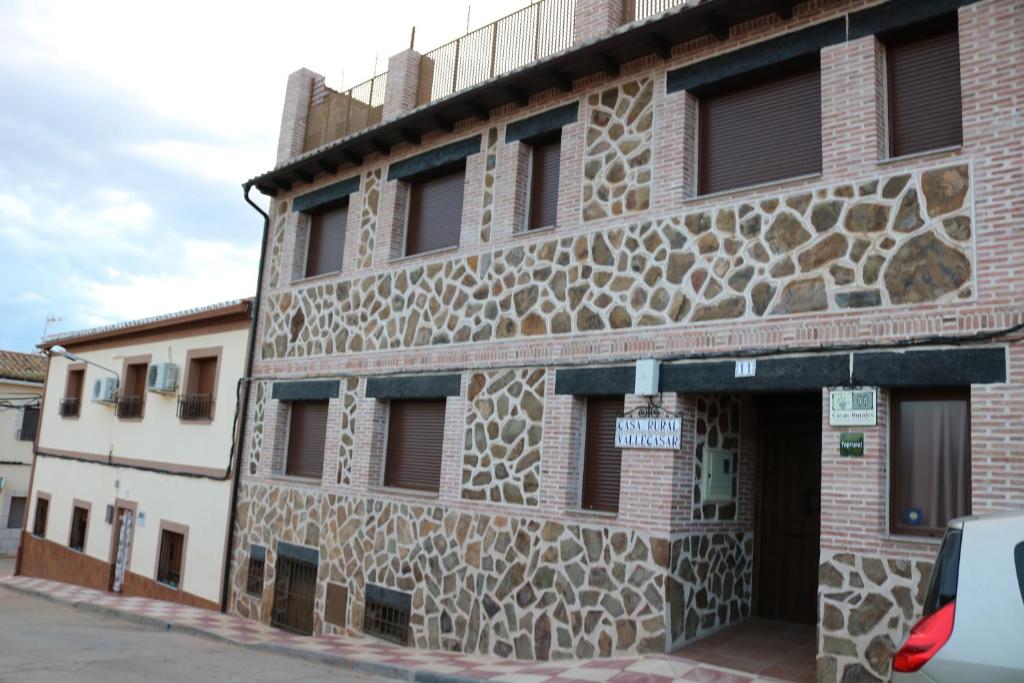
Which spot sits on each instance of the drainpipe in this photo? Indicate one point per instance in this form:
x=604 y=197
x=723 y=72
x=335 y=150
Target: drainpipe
x=244 y=411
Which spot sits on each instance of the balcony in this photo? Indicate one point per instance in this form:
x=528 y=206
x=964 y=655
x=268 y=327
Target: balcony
x=70 y=406
x=635 y=10
x=128 y=407
x=195 y=407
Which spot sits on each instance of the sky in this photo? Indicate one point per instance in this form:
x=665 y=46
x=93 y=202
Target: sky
x=128 y=126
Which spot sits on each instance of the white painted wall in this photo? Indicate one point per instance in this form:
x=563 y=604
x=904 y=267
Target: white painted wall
x=15 y=461
x=201 y=504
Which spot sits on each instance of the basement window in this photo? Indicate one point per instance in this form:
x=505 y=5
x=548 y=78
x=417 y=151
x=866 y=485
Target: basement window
x=386 y=614
x=257 y=567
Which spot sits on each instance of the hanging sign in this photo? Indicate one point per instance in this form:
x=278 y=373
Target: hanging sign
x=852 y=407
x=648 y=432
x=851 y=445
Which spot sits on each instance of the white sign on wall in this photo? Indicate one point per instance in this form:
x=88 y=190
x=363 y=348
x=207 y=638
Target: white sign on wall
x=852 y=407
x=648 y=432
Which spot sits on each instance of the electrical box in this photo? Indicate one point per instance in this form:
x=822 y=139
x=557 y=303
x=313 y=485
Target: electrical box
x=646 y=382
x=717 y=476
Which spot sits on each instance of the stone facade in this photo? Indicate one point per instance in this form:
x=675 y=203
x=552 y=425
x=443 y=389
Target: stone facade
x=490 y=164
x=504 y=429
x=347 y=430
x=368 y=217
x=259 y=410
x=618 y=158
x=888 y=240
x=718 y=426
x=867 y=605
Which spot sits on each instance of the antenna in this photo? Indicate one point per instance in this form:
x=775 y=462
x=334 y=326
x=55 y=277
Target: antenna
x=50 y=318
x=412 y=39
x=469 y=8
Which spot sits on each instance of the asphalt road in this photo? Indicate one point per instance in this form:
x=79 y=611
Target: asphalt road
x=46 y=641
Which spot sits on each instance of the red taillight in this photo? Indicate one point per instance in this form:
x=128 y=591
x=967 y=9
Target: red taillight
x=926 y=638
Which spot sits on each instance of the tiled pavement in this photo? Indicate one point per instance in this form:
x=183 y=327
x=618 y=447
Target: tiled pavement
x=377 y=657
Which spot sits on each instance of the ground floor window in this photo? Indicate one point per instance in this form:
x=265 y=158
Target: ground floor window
x=42 y=512
x=931 y=454
x=257 y=566
x=602 y=461
x=79 y=524
x=16 y=513
x=172 y=547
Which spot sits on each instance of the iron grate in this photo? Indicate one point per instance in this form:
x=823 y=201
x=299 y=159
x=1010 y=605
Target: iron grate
x=386 y=615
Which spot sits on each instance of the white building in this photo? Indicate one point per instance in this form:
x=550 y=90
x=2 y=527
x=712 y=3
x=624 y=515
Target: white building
x=131 y=486
x=21 y=389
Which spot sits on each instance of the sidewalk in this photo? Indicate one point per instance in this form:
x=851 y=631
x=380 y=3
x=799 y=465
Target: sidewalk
x=375 y=657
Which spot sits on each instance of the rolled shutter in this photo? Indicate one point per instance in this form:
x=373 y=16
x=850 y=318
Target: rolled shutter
x=74 y=386
x=306 y=438
x=415 y=443
x=602 y=461
x=326 y=248
x=435 y=213
x=759 y=132
x=544 y=184
x=924 y=89
x=206 y=371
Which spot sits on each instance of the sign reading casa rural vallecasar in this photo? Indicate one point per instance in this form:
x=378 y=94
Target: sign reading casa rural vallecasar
x=644 y=432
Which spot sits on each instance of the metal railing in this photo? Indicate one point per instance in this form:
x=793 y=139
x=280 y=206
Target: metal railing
x=334 y=115
x=69 y=406
x=634 y=10
x=128 y=406
x=195 y=406
x=536 y=31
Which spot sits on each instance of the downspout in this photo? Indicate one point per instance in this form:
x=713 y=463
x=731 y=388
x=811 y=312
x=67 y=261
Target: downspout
x=244 y=412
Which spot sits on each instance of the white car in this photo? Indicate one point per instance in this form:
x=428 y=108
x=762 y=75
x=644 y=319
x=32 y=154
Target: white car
x=973 y=623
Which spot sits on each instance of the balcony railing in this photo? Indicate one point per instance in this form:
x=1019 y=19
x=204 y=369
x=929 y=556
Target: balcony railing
x=195 y=407
x=128 y=406
x=334 y=115
x=69 y=406
x=635 y=10
x=536 y=31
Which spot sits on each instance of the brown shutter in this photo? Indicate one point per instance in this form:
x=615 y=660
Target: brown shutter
x=74 y=387
x=415 y=442
x=544 y=184
x=435 y=213
x=202 y=375
x=306 y=437
x=135 y=381
x=761 y=131
x=924 y=89
x=42 y=510
x=326 y=248
x=602 y=461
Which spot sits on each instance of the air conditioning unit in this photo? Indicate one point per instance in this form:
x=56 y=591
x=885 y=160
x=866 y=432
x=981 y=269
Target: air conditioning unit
x=162 y=378
x=104 y=390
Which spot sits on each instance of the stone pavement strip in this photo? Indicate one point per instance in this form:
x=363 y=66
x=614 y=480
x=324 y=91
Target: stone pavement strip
x=376 y=657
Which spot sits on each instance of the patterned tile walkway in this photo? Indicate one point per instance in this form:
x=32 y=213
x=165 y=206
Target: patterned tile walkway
x=378 y=657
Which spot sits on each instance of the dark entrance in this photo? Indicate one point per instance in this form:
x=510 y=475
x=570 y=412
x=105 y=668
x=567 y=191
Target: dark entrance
x=789 y=507
x=294 y=589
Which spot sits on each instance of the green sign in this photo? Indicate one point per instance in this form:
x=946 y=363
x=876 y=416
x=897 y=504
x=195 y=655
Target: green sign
x=851 y=445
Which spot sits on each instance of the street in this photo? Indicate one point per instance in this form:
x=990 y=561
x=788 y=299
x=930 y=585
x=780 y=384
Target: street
x=45 y=641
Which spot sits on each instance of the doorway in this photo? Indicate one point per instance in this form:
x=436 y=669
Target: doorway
x=124 y=527
x=789 y=507
x=294 y=591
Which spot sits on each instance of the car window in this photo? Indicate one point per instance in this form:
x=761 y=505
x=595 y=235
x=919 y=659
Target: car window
x=1018 y=558
x=945 y=573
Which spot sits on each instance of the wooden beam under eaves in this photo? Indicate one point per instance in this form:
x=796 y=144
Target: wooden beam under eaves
x=660 y=46
x=562 y=82
x=518 y=95
x=608 y=65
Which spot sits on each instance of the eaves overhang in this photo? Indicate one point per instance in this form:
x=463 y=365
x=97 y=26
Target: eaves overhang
x=656 y=35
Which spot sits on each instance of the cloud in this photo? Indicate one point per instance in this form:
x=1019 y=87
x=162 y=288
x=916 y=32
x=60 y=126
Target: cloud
x=227 y=163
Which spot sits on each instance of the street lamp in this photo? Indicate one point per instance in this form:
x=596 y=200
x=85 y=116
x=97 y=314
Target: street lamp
x=61 y=351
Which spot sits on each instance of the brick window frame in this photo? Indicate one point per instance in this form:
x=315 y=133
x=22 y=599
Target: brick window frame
x=318 y=223
x=394 y=469
x=164 y=535
x=597 y=472
x=427 y=191
x=75 y=372
x=190 y=380
x=76 y=543
x=287 y=414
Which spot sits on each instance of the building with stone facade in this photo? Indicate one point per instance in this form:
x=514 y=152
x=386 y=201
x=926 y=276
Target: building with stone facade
x=21 y=389
x=808 y=213
x=131 y=484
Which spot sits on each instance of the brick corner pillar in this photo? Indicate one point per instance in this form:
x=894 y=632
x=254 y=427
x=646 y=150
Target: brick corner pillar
x=852 y=107
x=595 y=18
x=402 y=89
x=295 y=114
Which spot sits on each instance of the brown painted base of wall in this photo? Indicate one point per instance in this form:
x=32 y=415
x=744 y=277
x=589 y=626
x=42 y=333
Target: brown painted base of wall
x=48 y=560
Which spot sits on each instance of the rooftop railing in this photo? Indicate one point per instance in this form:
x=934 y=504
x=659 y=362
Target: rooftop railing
x=334 y=115
x=635 y=10
x=534 y=32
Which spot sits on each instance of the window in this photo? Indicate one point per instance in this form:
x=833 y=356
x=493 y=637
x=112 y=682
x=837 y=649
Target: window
x=42 y=512
x=133 y=391
x=254 y=578
x=435 y=210
x=307 y=433
x=172 y=547
x=386 y=614
x=196 y=403
x=930 y=474
x=16 y=513
x=765 y=126
x=415 y=443
x=602 y=461
x=325 y=248
x=79 y=525
x=71 y=404
x=29 y=423
x=544 y=161
x=923 y=72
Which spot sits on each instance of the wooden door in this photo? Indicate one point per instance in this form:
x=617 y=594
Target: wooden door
x=790 y=508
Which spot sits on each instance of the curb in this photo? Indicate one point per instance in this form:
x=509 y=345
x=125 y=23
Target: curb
x=381 y=669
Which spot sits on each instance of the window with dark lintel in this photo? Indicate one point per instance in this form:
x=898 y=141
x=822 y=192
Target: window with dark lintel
x=602 y=461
